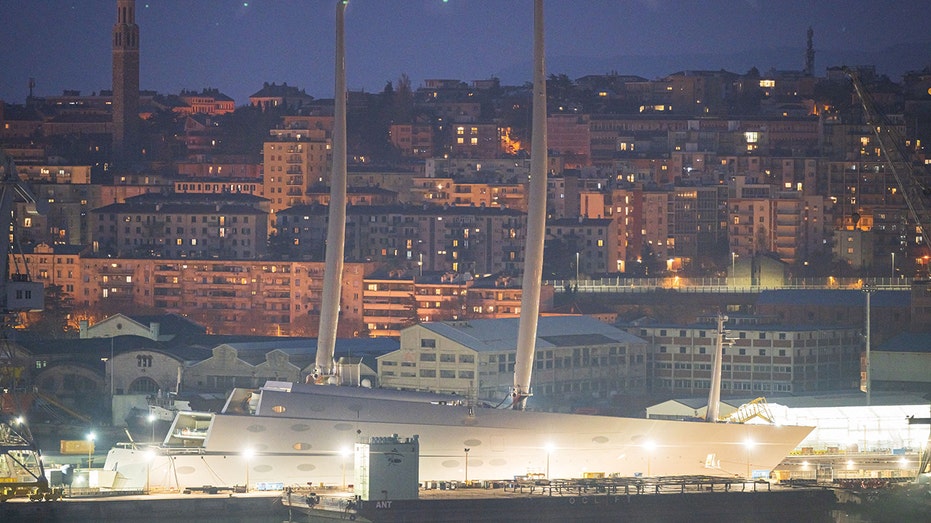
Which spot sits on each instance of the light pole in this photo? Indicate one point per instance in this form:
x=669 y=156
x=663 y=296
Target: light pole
x=467 y=449
x=549 y=448
x=576 y=267
x=749 y=445
x=734 y=266
x=111 y=370
x=246 y=456
x=649 y=446
x=345 y=452
x=152 y=422
x=91 y=436
x=149 y=457
x=893 y=265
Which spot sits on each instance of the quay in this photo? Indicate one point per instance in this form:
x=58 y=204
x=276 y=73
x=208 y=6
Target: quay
x=663 y=500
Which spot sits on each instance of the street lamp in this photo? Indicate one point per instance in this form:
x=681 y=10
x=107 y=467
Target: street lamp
x=577 y=267
x=734 y=266
x=467 y=449
x=149 y=458
x=748 y=443
x=893 y=265
x=91 y=436
x=151 y=419
x=649 y=446
x=549 y=448
x=247 y=454
x=111 y=370
x=345 y=452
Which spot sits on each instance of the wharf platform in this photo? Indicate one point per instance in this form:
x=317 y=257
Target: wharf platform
x=663 y=500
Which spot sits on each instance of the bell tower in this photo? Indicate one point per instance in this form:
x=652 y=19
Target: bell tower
x=125 y=105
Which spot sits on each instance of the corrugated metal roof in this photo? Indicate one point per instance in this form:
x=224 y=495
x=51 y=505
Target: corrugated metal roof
x=835 y=297
x=497 y=335
x=907 y=342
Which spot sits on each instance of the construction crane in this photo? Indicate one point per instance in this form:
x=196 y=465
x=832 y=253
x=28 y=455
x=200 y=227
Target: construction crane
x=914 y=187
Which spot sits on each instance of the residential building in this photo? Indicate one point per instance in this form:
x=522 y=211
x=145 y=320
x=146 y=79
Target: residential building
x=594 y=240
x=208 y=101
x=197 y=226
x=477 y=240
x=294 y=160
x=272 y=95
x=395 y=299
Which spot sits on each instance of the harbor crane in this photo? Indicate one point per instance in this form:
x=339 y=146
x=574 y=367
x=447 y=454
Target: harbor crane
x=914 y=185
x=21 y=470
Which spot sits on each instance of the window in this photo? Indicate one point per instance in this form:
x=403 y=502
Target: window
x=428 y=343
x=427 y=356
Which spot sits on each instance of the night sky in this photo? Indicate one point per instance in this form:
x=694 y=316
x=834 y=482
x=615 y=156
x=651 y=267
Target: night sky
x=236 y=46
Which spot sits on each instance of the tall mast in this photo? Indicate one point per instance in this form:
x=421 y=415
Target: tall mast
x=714 y=394
x=536 y=223
x=336 y=228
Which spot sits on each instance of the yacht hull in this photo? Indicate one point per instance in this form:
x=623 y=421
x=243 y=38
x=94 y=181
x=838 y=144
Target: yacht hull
x=305 y=438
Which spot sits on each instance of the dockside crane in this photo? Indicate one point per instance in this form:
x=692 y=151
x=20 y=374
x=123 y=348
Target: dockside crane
x=914 y=185
x=21 y=470
x=19 y=292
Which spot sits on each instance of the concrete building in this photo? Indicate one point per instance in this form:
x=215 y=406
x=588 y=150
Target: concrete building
x=294 y=159
x=476 y=240
x=397 y=299
x=902 y=363
x=272 y=95
x=890 y=311
x=576 y=356
x=465 y=193
x=762 y=358
x=208 y=101
x=594 y=240
x=227 y=226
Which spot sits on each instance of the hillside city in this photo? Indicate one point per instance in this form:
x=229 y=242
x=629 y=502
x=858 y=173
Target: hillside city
x=200 y=228
x=689 y=175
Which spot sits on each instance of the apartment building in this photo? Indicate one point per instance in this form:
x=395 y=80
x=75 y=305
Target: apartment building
x=208 y=101
x=656 y=232
x=395 y=299
x=294 y=160
x=594 y=241
x=414 y=140
x=476 y=240
x=575 y=356
x=475 y=193
x=196 y=226
x=474 y=140
x=569 y=135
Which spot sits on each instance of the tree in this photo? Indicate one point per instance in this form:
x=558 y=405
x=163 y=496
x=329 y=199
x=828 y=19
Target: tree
x=54 y=322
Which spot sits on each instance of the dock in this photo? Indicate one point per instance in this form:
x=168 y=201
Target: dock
x=667 y=499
